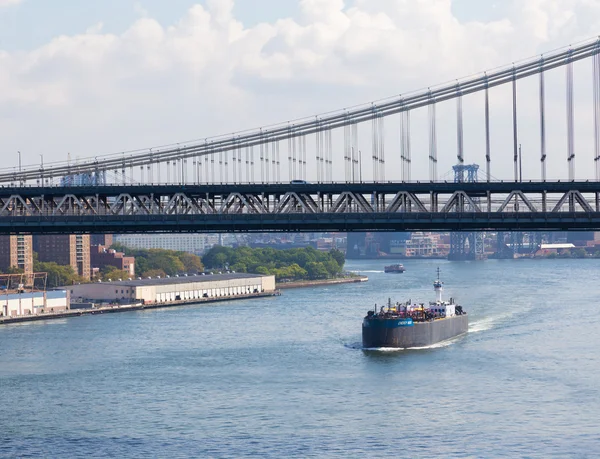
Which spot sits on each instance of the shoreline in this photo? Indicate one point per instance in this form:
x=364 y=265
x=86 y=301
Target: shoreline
x=129 y=308
x=321 y=282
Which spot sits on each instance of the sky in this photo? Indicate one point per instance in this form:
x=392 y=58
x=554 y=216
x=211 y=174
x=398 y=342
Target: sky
x=84 y=79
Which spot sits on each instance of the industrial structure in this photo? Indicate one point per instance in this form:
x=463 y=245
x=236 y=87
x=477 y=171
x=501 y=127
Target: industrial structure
x=174 y=289
x=466 y=245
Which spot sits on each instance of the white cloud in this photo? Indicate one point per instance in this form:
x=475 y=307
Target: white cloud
x=206 y=75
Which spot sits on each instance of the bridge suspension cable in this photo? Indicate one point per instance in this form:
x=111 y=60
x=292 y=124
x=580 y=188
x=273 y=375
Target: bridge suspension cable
x=322 y=126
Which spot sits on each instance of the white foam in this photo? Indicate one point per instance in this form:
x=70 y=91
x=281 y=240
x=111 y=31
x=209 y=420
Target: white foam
x=439 y=345
x=488 y=323
x=383 y=349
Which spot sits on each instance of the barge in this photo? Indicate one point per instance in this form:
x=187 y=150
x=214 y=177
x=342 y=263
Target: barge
x=409 y=325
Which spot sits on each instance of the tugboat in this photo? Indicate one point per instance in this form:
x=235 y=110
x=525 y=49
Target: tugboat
x=394 y=269
x=407 y=325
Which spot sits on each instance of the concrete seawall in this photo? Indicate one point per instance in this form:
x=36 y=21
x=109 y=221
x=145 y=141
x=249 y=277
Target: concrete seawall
x=321 y=283
x=129 y=308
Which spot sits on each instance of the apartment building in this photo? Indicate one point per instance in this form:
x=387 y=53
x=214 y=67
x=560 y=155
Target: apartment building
x=65 y=249
x=16 y=251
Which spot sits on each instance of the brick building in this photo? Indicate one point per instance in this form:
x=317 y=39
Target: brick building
x=102 y=239
x=101 y=256
x=16 y=251
x=67 y=250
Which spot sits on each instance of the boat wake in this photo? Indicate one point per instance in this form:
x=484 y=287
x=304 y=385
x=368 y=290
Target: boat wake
x=442 y=344
x=488 y=323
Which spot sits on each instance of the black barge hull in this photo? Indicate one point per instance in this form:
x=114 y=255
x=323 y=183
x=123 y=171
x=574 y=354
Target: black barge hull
x=378 y=332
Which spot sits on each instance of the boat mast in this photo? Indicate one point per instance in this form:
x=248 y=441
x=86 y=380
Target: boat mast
x=438 y=286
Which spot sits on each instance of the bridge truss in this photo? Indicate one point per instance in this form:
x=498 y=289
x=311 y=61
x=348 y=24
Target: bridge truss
x=305 y=207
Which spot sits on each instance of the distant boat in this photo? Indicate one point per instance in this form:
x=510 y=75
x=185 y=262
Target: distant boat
x=395 y=269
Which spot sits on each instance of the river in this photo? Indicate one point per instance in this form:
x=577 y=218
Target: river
x=285 y=376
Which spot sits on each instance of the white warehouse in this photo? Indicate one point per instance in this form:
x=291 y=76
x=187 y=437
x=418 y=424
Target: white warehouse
x=32 y=303
x=167 y=290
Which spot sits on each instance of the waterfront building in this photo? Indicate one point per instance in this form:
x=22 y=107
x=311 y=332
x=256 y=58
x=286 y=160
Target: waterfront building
x=26 y=295
x=17 y=304
x=65 y=249
x=101 y=256
x=374 y=245
x=192 y=243
x=426 y=245
x=16 y=251
x=166 y=290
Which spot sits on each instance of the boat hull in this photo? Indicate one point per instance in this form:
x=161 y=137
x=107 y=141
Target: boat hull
x=404 y=334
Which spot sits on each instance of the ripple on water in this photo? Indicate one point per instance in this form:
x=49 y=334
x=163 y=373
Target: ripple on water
x=279 y=378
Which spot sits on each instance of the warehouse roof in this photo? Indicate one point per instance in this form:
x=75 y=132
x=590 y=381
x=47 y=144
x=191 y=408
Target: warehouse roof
x=557 y=246
x=184 y=279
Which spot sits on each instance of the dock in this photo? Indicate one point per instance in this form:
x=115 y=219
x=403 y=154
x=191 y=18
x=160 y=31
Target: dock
x=113 y=309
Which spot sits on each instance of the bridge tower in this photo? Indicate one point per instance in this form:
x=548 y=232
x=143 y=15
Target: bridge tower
x=466 y=246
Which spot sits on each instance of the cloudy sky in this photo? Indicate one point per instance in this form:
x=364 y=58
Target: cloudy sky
x=105 y=76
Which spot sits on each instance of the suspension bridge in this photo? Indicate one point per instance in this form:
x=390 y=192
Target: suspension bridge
x=332 y=172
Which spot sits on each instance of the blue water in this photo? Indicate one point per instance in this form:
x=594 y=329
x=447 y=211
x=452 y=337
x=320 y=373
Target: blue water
x=285 y=377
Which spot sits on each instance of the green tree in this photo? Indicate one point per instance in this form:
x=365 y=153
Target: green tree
x=113 y=273
x=317 y=270
x=58 y=275
x=154 y=273
x=262 y=270
x=239 y=268
x=339 y=257
x=191 y=262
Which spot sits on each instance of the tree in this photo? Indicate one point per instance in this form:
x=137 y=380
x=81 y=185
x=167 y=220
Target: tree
x=317 y=270
x=191 y=262
x=113 y=273
x=154 y=273
x=262 y=270
x=239 y=268
x=58 y=275
x=220 y=260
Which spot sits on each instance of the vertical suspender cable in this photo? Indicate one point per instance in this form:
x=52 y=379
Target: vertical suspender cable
x=381 y=147
x=570 y=121
x=488 y=153
x=319 y=144
x=543 y=124
x=515 y=127
x=459 y=127
x=408 y=148
x=432 y=142
x=252 y=164
x=402 y=146
x=596 y=84
x=330 y=155
x=290 y=140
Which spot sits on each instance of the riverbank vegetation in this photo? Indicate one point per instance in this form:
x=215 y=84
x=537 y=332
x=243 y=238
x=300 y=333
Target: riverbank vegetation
x=161 y=262
x=286 y=265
